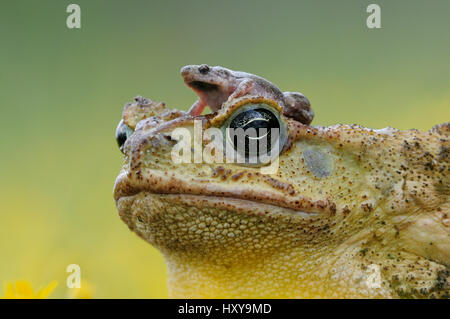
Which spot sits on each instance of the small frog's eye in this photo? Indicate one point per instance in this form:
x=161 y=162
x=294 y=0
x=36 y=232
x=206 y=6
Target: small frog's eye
x=255 y=132
x=123 y=131
x=203 y=69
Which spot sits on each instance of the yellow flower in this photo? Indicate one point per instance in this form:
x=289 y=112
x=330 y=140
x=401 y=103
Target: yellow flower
x=84 y=292
x=23 y=290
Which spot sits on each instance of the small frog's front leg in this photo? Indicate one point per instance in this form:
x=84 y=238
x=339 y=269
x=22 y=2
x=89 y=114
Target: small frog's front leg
x=245 y=87
x=197 y=108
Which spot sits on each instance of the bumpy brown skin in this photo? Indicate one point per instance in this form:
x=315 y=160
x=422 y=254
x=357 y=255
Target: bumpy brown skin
x=351 y=213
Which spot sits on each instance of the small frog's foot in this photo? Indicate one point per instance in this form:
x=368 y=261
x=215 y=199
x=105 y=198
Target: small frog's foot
x=298 y=107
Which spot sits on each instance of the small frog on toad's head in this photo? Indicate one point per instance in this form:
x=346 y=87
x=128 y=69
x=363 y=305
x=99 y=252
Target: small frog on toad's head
x=215 y=85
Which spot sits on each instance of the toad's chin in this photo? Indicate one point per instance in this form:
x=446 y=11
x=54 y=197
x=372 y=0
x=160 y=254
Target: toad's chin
x=185 y=223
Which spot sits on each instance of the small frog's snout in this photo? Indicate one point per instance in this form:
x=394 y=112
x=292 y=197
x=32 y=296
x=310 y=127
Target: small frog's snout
x=190 y=71
x=186 y=71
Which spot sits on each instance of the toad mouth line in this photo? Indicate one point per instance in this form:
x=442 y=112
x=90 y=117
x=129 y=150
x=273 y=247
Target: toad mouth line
x=173 y=186
x=231 y=203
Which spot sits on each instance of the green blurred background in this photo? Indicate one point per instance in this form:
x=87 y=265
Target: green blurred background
x=62 y=93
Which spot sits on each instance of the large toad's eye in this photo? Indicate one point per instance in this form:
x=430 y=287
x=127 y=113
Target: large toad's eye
x=255 y=132
x=123 y=131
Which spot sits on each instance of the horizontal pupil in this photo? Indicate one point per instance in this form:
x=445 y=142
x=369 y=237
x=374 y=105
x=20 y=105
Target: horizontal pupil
x=257 y=118
x=257 y=124
x=260 y=119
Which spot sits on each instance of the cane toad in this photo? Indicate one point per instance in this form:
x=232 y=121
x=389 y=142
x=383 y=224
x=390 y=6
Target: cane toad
x=351 y=212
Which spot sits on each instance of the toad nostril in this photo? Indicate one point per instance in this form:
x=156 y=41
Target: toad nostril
x=203 y=69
